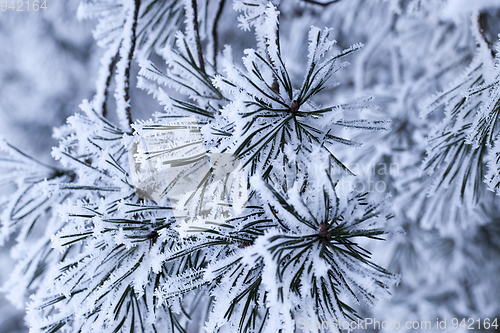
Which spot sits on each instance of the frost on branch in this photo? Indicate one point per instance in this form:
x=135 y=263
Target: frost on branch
x=28 y=213
x=459 y=144
x=162 y=230
x=305 y=260
x=269 y=113
x=178 y=166
x=485 y=131
x=157 y=22
x=184 y=76
x=127 y=29
x=113 y=240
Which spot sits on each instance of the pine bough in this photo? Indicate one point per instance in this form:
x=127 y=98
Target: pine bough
x=221 y=213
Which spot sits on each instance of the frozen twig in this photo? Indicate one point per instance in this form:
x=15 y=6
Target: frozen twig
x=111 y=66
x=122 y=94
x=215 y=32
x=197 y=35
x=481 y=17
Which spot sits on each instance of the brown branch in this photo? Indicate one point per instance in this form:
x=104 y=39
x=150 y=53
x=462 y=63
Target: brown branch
x=112 y=65
x=481 y=20
x=129 y=60
x=194 y=5
x=215 y=32
x=275 y=85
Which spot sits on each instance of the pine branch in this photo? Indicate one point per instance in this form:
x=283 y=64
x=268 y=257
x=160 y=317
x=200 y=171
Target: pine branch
x=199 y=49
x=158 y=23
x=253 y=252
x=111 y=66
x=137 y=4
x=481 y=20
x=215 y=32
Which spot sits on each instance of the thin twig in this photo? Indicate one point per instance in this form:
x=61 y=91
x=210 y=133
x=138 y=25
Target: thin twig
x=129 y=59
x=215 y=32
x=275 y=85
x=194 y=5
x=481 y=18
x=112 y=65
